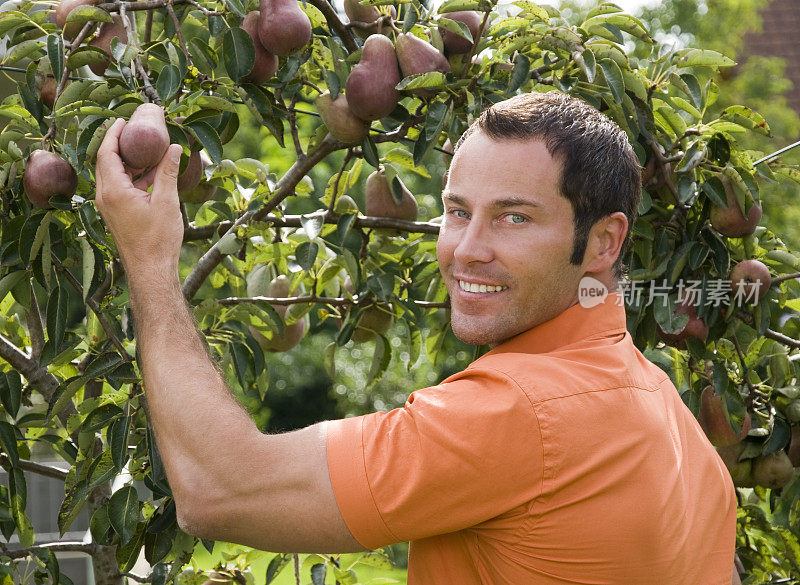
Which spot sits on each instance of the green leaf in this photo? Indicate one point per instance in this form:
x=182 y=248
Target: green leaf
x=57 y=316
x=423 y=80
x=8 y=440
x=123 y=512
x=318 y=571
x=9 y=281
x=11 y=391
x=238 y=52
x=88 y=266
x=55 y=53
x=747 y=118
x=275 y=566
x=459 y=5
x=168 y=82
x=209 y=138
x=613 y=75
x=48 y=559
x=306 y=254
x=102 y=364
x=87 y=13
x=370 y=151
x=118 y=441
x=624 y=22
x=520 y=74
x=702 y=58
x=312 y=224
x=380 y=359
x=22 y=50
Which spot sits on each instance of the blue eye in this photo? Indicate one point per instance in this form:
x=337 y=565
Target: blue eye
x=458 y=213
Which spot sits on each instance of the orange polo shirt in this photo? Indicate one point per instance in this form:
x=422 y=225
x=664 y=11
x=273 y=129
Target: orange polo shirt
x=561 y=456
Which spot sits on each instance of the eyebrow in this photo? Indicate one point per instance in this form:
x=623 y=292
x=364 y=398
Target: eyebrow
x=500 y=203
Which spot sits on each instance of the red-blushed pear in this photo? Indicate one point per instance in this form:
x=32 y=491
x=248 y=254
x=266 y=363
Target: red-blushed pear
x=417 y=56
x=649 y=171
x=380 y=202
x=192 y=174
x=103 y=39
x=339 y=120
x=741 y=471
x=749 y=275
x=47 y=92
x=144 y=139
x=794 y=447
x=71 y=30
x=265 y=64
x=370 y=87
x=279 y=287
x=715 y=424
x=364 y=15
x=695 y=327
x=46 y=175
x=284 y=28
x=773 y=471
x=455 y=44
x=730 y=221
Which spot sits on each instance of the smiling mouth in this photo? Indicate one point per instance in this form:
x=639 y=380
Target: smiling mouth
x=473 y=287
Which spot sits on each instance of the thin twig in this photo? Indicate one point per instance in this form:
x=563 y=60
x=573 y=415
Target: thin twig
x=783 y=277
x=177 y=24
x=35 y=328
x=149 y=90
x=145 y=5
x=335 y=193
x=203 y=9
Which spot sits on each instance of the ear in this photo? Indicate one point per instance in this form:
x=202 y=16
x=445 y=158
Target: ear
x=605 y=242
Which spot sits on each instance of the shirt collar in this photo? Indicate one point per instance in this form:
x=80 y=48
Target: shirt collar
x=573 y=325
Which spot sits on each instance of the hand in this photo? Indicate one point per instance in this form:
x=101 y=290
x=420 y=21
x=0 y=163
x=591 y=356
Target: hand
x=147 y=227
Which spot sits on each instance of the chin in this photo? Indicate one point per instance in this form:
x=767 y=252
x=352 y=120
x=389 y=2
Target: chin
x=474 y=334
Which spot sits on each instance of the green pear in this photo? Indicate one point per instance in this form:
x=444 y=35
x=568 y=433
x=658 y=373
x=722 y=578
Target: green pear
x=370 y=87
x=773 y=471
x=380 y=202
x=340 y=121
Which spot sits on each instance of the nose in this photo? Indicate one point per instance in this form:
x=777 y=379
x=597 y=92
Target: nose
x=475 y=243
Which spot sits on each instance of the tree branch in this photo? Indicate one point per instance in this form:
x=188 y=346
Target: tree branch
x=38 y=468
x=44 y=382
x=67 y=546
x=336 y=301
x=283 y=189
x=783 y=277
x=419 y=227
x=335 y=24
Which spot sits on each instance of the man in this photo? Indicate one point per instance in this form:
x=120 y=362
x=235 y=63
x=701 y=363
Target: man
x=561 y=456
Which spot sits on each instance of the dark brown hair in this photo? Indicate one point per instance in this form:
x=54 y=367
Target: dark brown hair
x=600 y=172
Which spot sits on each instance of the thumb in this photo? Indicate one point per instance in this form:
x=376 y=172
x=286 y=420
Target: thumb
x=165 y=183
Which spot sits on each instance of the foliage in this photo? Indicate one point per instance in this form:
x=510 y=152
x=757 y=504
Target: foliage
x=69 y=380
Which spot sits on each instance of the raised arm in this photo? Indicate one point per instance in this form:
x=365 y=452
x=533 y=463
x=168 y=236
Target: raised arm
x=230 y=481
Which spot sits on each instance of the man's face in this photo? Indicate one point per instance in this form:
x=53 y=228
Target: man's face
x=505 y=244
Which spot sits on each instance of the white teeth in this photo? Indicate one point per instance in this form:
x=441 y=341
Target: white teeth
x=479 y=288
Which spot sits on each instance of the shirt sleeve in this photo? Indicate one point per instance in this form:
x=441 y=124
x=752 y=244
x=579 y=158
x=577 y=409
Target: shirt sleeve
x=455 y=455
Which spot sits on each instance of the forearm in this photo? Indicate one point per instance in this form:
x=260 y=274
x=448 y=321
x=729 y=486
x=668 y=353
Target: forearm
x=196 y=420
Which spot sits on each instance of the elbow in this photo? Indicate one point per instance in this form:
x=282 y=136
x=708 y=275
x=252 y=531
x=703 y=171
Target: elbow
x=191 y=508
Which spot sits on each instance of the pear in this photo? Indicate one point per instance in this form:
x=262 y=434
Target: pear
x=145 y=139
x=63 y=9
x=279 y=287
x=102 y=40
x=370 y=87
x=47 y=93
x=417 y=56
x=714 y=423
x=794 y=447
x=773 y=471
x=749 y=274
x=283 y=28
x=741 y=471
x=361 y=14
x=730 y=221
x=374 y=319
x=455 y=44
x=695 y=327
x=47 y=174
x=202 y=191
x=379 y=201
x=265 y=64
x=339 y=120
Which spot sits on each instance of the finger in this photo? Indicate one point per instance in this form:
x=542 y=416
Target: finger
x=109 y=164
x=165 y=183
x=145 y=180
